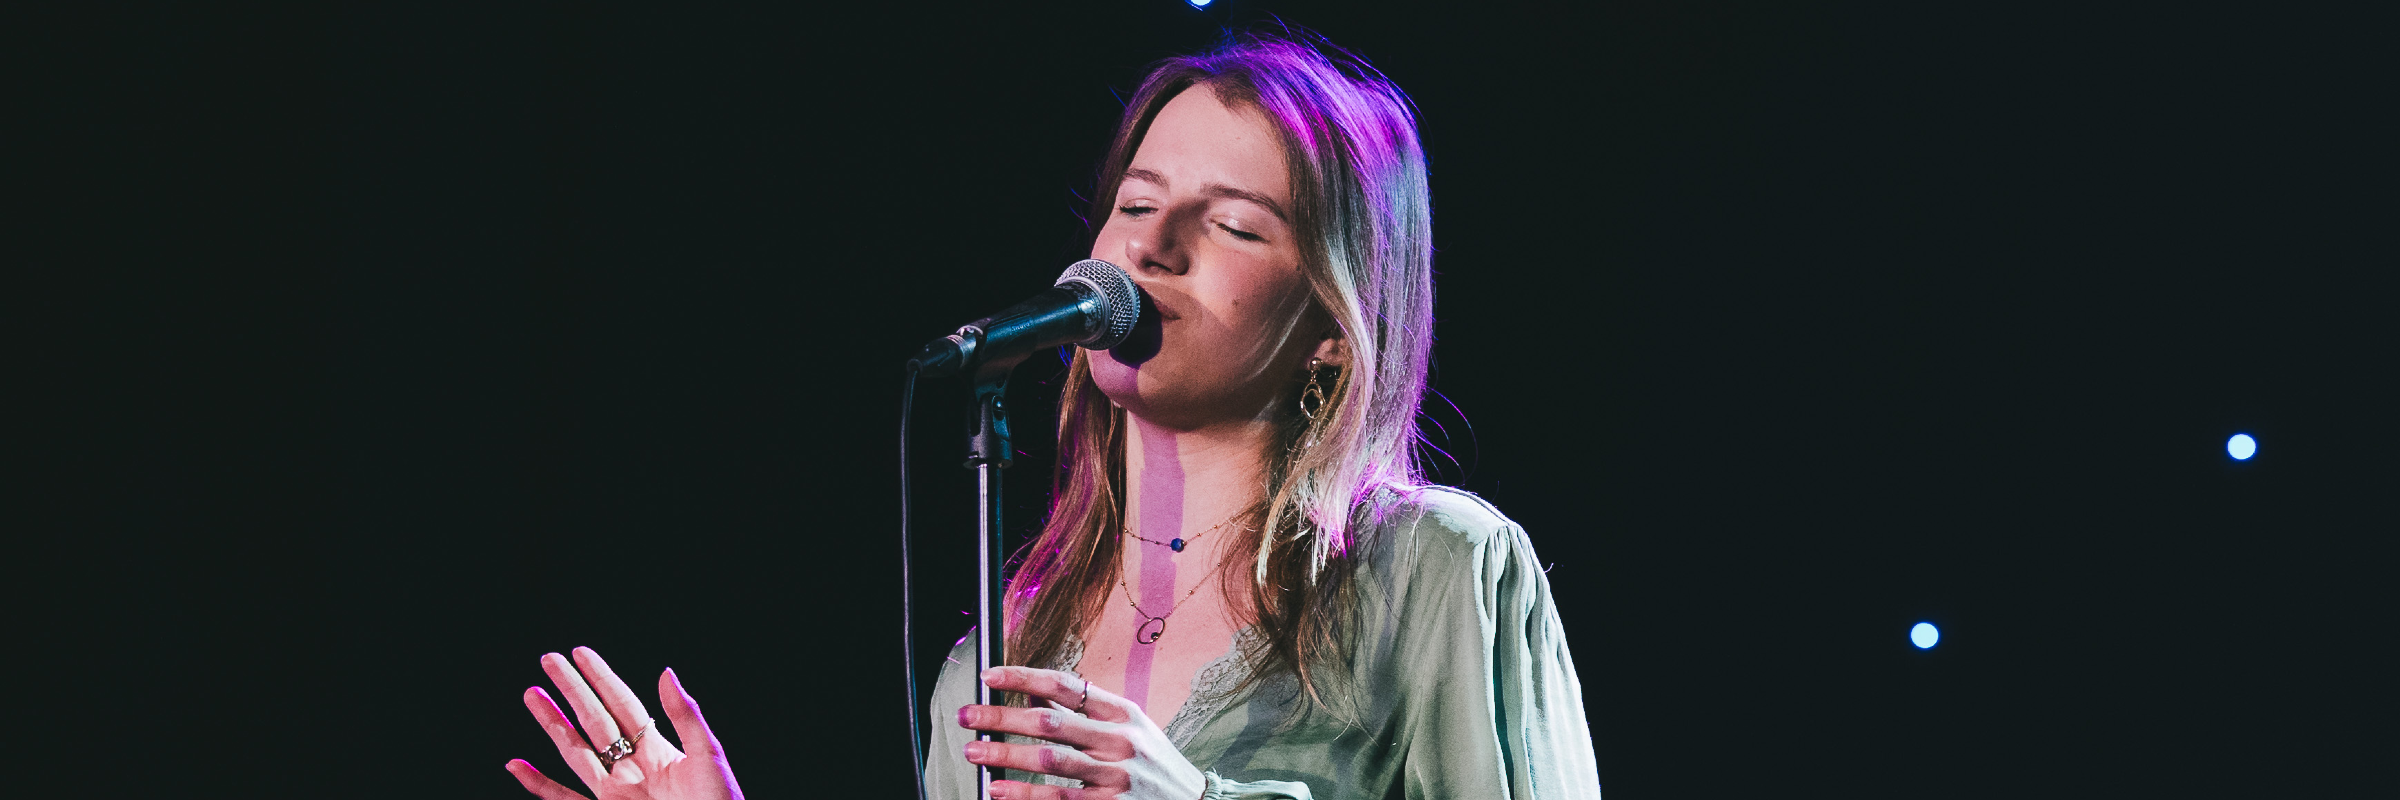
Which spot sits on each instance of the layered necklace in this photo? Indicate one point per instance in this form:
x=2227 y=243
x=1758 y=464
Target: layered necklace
x=1145 y=634
x=1176 y=544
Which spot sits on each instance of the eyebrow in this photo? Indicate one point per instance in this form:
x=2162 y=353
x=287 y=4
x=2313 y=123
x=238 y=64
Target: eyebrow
x=1213 y=190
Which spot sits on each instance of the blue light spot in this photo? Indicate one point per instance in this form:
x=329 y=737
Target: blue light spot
x=1198 y=3
x=2241 y=447
x=1924 y=635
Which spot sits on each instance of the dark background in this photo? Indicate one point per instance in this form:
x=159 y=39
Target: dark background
x=384 y=348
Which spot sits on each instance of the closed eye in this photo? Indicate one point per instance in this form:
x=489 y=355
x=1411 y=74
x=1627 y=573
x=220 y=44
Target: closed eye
x=1134 y=211
x=1241 y=234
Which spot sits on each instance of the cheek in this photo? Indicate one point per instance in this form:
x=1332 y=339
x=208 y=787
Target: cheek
x=1263 y=315
x=1109 y=245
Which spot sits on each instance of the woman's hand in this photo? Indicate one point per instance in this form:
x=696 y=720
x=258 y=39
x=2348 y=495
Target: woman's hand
x=1111 y=746
x=655 y=770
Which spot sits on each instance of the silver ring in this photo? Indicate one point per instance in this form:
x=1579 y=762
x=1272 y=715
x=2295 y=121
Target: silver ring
x=622 y=748
x=1086 y=698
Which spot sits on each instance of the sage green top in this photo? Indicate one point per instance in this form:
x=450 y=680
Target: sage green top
x=1464 y=685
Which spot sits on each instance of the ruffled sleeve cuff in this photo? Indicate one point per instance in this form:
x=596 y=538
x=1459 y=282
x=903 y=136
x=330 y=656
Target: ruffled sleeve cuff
x=1222 y=789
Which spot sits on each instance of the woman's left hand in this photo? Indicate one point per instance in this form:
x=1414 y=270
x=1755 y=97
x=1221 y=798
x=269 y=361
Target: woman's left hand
x=1111 y=745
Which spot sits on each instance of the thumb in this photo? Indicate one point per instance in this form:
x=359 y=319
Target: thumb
x=684 y=712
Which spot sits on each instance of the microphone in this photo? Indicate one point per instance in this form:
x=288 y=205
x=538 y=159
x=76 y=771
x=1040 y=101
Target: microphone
x=1093 y=304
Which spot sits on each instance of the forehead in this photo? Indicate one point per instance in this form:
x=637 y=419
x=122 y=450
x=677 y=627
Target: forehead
x=1197 y=139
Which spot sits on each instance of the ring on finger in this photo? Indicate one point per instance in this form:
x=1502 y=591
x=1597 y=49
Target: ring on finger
x=622 y=748
x=1086 y=698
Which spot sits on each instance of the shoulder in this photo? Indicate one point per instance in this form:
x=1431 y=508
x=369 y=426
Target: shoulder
x=955 y=663
x=1441 y=562
x=1443 y=522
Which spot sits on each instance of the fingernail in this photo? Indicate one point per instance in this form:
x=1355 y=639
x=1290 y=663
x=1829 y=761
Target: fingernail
x=976 y=750
x=1000 y=792
x=965 y=720
x=990 y=675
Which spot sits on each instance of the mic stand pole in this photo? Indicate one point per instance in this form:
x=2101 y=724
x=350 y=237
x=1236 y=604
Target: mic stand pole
x=988 y=454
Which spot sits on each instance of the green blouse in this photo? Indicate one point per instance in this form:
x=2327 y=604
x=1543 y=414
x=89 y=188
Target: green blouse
x=1466 y=688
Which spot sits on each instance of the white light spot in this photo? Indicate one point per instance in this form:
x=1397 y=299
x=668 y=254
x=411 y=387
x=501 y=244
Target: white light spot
x=1924 y=635
x=2241 y=447
x=1198 y=3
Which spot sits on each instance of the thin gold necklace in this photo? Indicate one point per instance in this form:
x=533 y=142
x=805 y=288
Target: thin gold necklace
x=1176 y=544
x=1161 y=620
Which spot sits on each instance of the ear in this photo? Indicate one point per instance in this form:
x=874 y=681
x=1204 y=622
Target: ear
x=1333 y=350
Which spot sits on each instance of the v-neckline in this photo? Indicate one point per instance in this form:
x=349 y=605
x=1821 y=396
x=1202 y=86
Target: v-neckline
x=1211 y=689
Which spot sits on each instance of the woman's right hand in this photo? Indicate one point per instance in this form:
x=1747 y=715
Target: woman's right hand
x=655 y=770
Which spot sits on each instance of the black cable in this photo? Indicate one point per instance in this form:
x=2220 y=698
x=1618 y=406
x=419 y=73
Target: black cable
x=908 y=639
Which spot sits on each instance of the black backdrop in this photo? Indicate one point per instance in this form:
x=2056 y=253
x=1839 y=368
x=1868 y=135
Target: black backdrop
x=405 y=342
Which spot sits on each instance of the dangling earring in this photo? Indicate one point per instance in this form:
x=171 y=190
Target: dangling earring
x=1312 y=403
x=1314 y=392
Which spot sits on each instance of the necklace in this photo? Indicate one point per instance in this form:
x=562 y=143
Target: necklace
x=1161 y=620
x=1176 y=544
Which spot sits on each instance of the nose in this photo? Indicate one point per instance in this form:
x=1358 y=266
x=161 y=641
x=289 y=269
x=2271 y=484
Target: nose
x=1157 y=246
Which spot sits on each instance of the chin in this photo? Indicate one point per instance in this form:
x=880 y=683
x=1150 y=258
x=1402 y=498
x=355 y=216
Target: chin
x=1118 y=381
x=1144 y=390
x=1148 y=391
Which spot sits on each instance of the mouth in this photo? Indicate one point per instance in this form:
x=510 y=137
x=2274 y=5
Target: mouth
x=1142 y=345
x=1163 y=307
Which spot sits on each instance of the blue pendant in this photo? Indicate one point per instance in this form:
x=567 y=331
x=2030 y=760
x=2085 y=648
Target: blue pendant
x=1176 y=545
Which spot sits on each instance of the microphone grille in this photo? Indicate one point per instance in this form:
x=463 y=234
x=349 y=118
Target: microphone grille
x=1120 y=299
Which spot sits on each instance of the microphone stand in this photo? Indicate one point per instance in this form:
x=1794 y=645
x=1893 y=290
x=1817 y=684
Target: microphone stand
x=988 y=454
x=1093 y=304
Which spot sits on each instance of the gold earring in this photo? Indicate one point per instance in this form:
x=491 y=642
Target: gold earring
x=1314 y=391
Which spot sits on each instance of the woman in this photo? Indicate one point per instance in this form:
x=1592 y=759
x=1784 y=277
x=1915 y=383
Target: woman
x=1244 y=589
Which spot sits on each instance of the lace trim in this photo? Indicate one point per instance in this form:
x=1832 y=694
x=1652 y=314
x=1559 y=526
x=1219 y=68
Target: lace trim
x=1070 y=656
x=1212 y=690
x=1212 y=686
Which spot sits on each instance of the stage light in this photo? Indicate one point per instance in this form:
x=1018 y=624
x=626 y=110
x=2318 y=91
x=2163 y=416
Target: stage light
x=1924 y=635
x=1198 y=3
x=2241 y=447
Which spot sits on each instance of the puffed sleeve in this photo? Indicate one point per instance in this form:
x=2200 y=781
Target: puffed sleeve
x=1493 y=707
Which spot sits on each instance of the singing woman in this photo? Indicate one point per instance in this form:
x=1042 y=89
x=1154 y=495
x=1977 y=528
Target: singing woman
x=1245 y=588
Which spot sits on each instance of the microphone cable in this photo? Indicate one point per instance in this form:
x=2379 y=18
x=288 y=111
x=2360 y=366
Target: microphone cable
x=908 y=639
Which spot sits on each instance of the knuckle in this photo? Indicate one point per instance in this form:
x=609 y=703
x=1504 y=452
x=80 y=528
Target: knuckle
x=1047 y=721
x=1056 y=759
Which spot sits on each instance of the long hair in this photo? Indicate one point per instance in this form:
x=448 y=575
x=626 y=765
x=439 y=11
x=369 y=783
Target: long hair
x=1364 y=218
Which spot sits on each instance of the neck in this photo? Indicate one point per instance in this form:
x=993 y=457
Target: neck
x=1181 y=482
